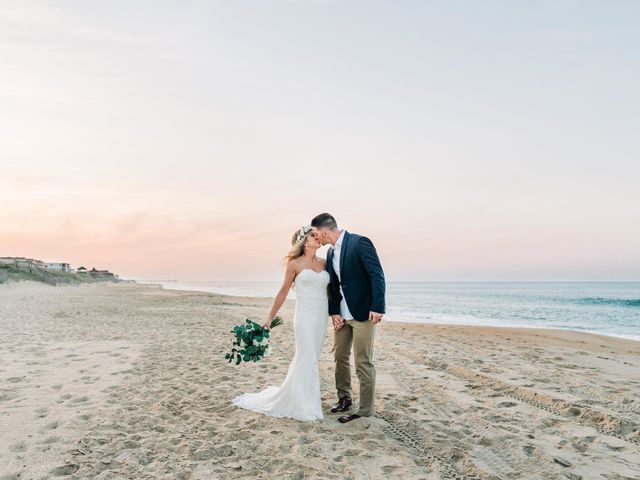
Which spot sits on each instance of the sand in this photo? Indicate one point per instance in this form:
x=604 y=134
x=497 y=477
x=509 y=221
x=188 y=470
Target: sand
x=129 y=381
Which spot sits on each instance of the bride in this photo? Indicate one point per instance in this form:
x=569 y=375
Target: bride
x=298 y=396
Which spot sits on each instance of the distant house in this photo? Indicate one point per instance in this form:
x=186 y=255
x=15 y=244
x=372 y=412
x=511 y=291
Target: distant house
x=21 y=261
x=100 y=273
x=34 y=266
x=61 y=267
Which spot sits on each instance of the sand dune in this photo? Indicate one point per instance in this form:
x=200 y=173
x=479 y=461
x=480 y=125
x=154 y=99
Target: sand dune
x=129 y=381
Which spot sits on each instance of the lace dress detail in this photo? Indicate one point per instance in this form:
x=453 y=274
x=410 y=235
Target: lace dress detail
x=298 y=396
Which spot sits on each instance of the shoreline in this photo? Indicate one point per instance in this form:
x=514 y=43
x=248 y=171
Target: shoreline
x=420 y=322
x=532 y=330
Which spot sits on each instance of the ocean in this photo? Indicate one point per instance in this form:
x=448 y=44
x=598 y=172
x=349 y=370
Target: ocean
x=607 y=308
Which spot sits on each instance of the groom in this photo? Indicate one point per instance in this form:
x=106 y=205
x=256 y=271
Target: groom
x=356 y=305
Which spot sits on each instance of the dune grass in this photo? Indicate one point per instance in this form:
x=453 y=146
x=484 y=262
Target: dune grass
x=16 y=273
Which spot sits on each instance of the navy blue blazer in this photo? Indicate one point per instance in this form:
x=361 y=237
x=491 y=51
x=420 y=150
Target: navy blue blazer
x=362 y=278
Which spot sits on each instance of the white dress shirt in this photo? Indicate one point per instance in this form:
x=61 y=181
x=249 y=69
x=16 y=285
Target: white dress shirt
x=344 y=309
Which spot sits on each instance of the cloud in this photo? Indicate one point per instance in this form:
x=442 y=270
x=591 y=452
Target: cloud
x=29 y=21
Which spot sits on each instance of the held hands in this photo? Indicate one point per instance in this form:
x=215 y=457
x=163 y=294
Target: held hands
x=375 y=317
x=338 y=321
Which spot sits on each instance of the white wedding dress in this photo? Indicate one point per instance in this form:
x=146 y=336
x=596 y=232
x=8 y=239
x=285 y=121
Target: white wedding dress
x=298 y=396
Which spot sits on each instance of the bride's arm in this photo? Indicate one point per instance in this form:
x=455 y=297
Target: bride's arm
x=289 y=276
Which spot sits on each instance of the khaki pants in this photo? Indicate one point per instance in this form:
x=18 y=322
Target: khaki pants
x=360 y=334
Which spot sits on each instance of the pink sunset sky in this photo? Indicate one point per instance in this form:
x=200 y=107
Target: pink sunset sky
x=491 y=142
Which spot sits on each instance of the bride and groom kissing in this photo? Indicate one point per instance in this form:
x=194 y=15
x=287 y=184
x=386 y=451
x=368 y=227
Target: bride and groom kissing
x=349 y=287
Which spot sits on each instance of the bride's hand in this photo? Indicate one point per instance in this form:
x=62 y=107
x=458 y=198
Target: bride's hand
x=338 y=322
x=267 y=324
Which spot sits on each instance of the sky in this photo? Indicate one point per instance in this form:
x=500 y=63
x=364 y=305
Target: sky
x=492 y=140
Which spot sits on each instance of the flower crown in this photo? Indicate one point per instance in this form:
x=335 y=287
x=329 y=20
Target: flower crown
x=302 y=232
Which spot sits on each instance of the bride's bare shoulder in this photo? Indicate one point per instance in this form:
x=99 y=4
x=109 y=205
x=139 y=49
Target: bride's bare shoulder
x=294 y=266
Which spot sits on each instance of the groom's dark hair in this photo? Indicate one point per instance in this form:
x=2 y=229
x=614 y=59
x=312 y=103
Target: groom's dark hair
x=324 y=220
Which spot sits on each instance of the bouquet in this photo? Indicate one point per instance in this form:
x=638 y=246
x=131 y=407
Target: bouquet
x=251 y=342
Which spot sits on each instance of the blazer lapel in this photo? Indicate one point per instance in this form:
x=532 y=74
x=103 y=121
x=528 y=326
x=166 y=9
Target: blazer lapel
x=343 y=251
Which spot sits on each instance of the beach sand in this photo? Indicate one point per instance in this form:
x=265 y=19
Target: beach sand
x=129 y=381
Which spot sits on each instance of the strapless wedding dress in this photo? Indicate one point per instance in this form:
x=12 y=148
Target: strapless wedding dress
x=298 y=396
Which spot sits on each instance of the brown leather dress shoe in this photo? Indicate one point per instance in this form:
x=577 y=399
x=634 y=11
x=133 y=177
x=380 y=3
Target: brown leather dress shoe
x=343 y=405
x=348 y=418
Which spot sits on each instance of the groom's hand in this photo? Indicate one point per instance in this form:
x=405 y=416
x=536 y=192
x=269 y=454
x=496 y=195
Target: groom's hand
x=338 y=322
x=375 y=317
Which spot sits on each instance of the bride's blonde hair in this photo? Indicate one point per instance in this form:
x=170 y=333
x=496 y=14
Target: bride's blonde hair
x=298 y=240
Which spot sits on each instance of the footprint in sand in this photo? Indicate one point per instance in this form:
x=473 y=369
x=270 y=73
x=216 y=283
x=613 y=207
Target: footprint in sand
x=41 y=412
x=52 y=425
x=615 y=448
x=18 y=447
x=224 y=451
x=65 y=470
x=49 y=440
x=82 y=399
x=11 y=476
x=372 y=445
x=337 y=463
x=202 y=455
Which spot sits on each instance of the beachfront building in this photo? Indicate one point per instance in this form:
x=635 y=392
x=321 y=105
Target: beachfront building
x=61 y=267
x=21 y=261
x=34 y=265
x=101 y=273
